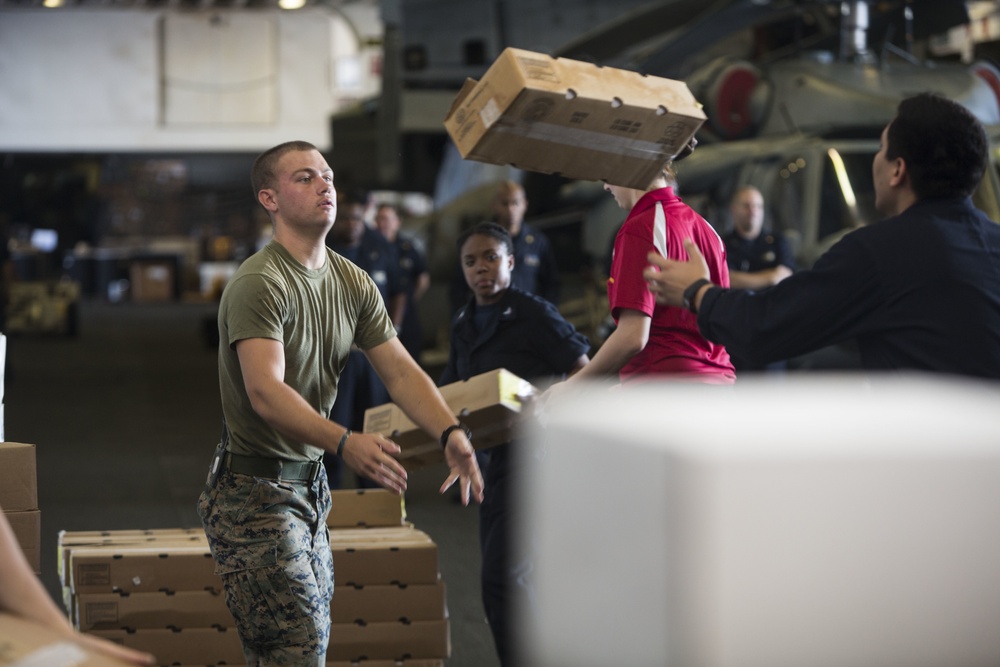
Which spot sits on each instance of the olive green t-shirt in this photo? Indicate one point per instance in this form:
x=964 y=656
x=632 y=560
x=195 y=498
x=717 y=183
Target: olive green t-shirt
x=316 y=314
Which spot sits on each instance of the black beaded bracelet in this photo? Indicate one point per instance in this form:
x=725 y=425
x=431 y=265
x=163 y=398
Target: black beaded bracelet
x=453 y=427
x=343 y=441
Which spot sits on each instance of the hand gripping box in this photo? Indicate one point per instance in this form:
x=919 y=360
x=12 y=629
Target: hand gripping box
x=488 y=404
x=576 y=119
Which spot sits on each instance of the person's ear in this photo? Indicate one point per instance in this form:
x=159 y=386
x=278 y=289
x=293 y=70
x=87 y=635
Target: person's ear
x=898 y=174
x=267 y=200
x=510 y=262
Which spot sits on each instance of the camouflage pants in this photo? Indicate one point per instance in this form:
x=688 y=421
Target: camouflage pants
x=271 y=547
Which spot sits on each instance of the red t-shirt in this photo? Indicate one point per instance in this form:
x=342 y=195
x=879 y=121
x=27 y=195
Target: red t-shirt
x=675 y=346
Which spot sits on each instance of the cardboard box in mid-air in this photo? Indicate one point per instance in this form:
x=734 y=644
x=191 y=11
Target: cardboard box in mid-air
x=575 y=119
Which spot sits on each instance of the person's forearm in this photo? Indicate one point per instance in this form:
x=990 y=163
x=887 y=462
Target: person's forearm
x=397 y=308
x=417 y=395
x=423 y=283
x=612 y=356
x=290 y=414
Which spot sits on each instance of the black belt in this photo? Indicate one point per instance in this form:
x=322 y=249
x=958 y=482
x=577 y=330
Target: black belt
x=258 y=466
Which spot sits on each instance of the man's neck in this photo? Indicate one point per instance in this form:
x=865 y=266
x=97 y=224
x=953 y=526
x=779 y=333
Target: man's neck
x=307 y=251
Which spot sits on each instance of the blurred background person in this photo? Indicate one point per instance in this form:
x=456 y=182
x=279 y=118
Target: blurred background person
x=360 y=386
x=414 y=278
x=757 y=258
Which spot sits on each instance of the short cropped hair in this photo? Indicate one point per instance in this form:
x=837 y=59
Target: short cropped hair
x=943 y=145
x=262 y=176
x=491 y=229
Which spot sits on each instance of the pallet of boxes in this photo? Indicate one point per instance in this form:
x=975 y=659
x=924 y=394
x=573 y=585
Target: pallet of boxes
x=156 y=590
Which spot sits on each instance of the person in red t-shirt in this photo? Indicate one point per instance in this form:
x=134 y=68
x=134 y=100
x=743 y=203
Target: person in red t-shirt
x=650 y=340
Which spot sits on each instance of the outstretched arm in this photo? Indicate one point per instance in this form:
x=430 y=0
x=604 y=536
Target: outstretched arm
x=262 y=361
x=413 y=391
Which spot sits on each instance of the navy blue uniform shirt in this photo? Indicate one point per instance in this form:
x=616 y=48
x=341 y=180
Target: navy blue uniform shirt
x=535 y=269
x=918 y=291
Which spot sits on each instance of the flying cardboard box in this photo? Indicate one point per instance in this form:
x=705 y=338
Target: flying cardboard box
x=24 y=643
x=18 y=477
x=488 y=404
x=575 y=119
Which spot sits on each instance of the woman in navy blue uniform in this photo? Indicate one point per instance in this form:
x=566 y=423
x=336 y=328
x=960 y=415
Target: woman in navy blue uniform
x=503 y=327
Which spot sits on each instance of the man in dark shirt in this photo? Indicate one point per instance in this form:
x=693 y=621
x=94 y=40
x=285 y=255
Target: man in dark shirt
x=535 y=269
x=919 y=290
x=757 y=259
x=414 y=278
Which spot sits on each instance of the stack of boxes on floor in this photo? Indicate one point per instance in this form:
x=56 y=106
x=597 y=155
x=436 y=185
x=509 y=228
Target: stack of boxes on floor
x=19 y=498
x=156 y=590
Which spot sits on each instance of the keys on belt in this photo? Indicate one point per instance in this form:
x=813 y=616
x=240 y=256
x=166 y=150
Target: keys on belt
x=268 y=468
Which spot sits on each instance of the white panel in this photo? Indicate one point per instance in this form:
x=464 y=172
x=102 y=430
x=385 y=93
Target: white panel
x=69 y=71
x=219 y=69
x=90 y=80
x=807 y=522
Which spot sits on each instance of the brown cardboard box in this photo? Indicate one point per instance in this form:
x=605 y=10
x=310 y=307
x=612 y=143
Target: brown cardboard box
x=351 y=508
x=380 y=556
x=24 y=643
x=562 y=116
x=381 y=641
x=420 y=602
x=18 y=477
x=487 y=403
x=142 y=569
x=189 y=646
x=67 y=540
x=27 y=527
x=152 y=280
x=183 y=609
x=70 y=540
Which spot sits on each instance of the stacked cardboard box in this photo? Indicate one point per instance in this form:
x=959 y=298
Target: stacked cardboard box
x=489 y=404
x=389 y=600
x=19 y=498
x=153 y=590
x=156 y=591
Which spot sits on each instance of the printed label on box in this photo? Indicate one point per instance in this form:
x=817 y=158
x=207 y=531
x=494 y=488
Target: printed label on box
x=490 y=113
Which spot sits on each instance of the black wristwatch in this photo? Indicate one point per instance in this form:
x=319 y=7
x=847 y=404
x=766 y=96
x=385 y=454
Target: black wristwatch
x=454 y=427
x=691 y=291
